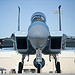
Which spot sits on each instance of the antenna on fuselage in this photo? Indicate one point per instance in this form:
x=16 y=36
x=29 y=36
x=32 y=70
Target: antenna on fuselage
x=18 y=18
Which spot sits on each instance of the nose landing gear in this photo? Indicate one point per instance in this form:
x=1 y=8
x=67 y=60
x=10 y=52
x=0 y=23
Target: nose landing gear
x=39 y=65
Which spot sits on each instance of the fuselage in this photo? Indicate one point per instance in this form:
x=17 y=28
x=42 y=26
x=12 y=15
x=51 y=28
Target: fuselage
x=38 y=31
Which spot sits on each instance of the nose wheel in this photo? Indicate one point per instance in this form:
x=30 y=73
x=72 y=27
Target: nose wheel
x=38 y=68
x=39 y=65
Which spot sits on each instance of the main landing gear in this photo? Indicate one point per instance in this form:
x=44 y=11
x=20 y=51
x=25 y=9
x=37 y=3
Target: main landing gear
x=39 y=62
x=20 y=67
x=57 y=65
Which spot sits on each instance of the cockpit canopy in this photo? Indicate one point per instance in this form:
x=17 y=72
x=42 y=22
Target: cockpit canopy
x=38 y=16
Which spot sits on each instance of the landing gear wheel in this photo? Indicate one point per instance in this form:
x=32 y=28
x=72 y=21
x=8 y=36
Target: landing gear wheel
x=38 y=69
x=58 y=67
x=39 y=65
x=20 y=67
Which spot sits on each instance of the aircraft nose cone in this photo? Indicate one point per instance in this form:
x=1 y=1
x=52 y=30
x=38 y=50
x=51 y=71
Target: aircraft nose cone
x=38 y=35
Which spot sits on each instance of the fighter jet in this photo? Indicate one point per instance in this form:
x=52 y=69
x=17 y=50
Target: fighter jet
x=39 y=40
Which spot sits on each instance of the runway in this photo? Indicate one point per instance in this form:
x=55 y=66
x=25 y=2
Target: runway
x=39 y=74
x=67 y=59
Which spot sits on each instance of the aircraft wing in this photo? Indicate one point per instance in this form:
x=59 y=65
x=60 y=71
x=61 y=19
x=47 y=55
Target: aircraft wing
x=69 y=42
x=6 y=43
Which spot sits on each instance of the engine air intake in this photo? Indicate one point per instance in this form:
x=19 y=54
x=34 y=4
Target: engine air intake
x=55 y=42
x=21 y=42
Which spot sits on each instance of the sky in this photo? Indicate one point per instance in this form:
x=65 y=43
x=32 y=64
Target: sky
x=9 y=15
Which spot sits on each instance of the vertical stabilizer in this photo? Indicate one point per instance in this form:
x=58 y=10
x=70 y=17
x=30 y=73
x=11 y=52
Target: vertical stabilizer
x=18 y=18
x=59 y=18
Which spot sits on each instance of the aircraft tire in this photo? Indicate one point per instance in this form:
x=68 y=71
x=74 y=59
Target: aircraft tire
x=58 y=67
x=20 y=67
x=38 y=69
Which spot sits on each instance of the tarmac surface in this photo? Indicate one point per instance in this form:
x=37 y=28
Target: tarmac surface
x=39 y=74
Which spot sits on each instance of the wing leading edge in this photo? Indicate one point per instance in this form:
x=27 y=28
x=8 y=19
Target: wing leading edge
x=69 y=42
x=6 y=43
